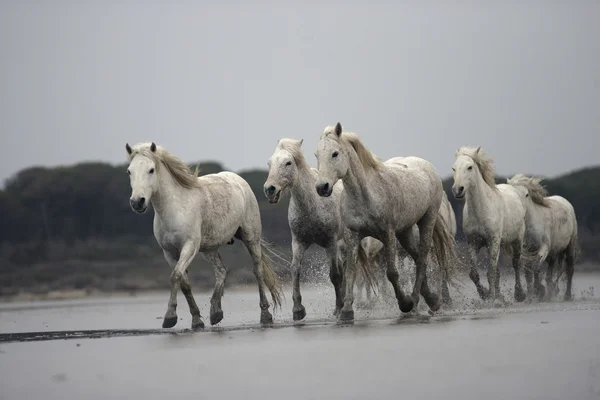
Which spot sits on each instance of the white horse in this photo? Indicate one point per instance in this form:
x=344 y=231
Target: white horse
x=373 y=249
x=198 y=214
x=312 y=219
x=551 y=231
x=385 y=200
x=493 y=217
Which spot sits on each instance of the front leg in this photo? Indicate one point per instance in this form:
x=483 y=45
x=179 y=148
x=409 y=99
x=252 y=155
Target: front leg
x=179 y=280
x=216 y=312
x=352 y=241
x=472 y=250
x=516 y=260
x=492 y=274
x=335 y=274
x=298 y=250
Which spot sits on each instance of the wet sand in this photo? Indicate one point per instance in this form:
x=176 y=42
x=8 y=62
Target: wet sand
x=524 y=351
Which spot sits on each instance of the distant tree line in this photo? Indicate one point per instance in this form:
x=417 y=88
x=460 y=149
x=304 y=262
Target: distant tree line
x=69 y=226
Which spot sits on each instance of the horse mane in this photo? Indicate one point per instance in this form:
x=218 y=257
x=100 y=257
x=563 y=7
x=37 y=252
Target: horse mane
x=483 y=161
x=368 y=160
x=294 y=147
x=533 y=184
x=180 y=171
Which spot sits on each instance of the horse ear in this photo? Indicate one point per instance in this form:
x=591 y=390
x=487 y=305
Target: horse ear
x=153 y=147
x=478 y=149
x=300 y=142
x=128 y=148
x=338 y=129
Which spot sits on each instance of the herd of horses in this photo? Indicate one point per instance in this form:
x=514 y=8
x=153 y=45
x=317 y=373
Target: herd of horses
x=366 y=214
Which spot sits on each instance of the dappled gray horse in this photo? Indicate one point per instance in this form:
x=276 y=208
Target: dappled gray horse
x=385 y=200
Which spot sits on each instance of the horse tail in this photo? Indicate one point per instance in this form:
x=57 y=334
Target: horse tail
x=367 y=269
x=269 y=275
x=444 y=247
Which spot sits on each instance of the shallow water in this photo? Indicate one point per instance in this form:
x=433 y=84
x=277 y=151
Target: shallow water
x=529 y=351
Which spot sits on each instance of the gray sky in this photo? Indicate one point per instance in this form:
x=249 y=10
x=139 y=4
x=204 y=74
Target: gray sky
x=222 y=81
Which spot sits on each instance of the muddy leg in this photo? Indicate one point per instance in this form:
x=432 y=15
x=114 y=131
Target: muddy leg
x=216 y=312
x=516 y=261
x=335 y=275
x=540 y=290
x=298 y=250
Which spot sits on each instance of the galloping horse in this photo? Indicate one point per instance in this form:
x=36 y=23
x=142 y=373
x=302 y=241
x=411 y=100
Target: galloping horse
x=199 y=214
x=550 y=231
x=493 y=217
x=385 y=200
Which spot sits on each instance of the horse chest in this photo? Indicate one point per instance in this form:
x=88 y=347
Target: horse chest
x=312 y=229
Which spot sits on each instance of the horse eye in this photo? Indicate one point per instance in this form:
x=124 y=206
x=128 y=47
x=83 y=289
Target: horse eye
x=527 y=195
x=288 y=163
x=128 y=172
x=335 y=154
x=151 y=171
x=470 y=167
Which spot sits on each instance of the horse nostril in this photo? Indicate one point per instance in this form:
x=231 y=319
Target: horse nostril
x=271 y=190
x=461 y=189
x=142 y=201
x=323 y=187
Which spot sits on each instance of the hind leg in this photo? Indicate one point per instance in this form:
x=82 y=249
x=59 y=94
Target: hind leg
x=408 y=242
x=352 y=241
x=570 y=269
x=421 y=286
x=550 y=283
x=256 y=253
x=516 y=261
x=492 y=274
x=216 y=312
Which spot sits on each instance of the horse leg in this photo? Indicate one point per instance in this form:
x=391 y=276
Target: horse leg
x=426 y=226
x=216 y=312
x=472 y=250
x=335 y=275
x=349 y=275
x=298 y=250
x=256 y=253
x=405 y=302
x=492 y=274
x=516 y=261
x=540 y=290
x=550 y=284
x=179 y=280
x=570 y=269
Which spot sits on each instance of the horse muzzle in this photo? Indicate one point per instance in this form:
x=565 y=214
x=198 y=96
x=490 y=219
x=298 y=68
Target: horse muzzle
x=273 y=194
x=459 y=192
x=324 y=189
x=138 y=205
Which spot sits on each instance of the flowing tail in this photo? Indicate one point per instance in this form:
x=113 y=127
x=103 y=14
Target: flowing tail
x=444 y=248
x=270 y=277
x=367 y=269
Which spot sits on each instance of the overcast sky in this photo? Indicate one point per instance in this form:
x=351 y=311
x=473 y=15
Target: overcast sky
x=222 y=81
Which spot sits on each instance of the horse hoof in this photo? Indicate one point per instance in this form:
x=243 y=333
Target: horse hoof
x=541 y=292
x=266 y=318
x=197 y=325
x=169 y=322
x=347 y=315
x=568 y=297
x=216 y=317
x=520 y=296
x=300 y=314
x=433 y=301
x=406 y=305
x=337 y=311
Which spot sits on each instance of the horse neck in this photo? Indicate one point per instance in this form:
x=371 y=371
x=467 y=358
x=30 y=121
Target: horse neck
x=355 y=182
x=480 y=197
x=303 y=191
x=169 y=195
